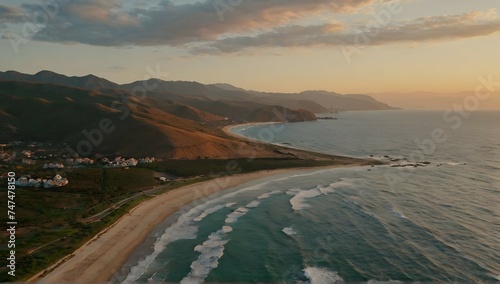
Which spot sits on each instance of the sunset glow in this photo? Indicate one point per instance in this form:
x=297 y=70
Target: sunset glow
x=362 y=46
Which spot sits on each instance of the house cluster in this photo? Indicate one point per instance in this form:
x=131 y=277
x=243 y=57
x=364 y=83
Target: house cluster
x=27 y=153
x=80 y=161
x=17 y=151
x=53 y=166
x=57 y=181
x=124 y=162
x=146 y=160
x=119 y=162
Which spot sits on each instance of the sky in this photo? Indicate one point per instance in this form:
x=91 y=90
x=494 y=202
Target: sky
x=345 y=46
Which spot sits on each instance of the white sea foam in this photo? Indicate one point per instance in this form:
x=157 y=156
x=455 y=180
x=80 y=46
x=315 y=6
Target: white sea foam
x=212 y=249
x=253 y=204
x=289 y=231
x=230 y=204
x=399 y=213
x=268 y=194
x=455 y=163
x=298 y=201
x=300 y=196
x=151 y=279
x=208 y=212
x=184 y=229
x=201 y=217
x=210 y=252
x=181 y=230
x=233 y=216
x=339 y=184
x=317 y=275
x=293 y=191
x=242 y=209
x=326 y=190
x=227 y=229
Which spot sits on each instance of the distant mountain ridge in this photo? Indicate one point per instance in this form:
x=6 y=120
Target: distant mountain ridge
x=148 y=127
x=313 y=101
x=177 y=119
x=89 y=82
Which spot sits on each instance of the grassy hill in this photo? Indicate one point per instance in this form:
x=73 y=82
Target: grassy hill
x=148 y=127
x=313 y=101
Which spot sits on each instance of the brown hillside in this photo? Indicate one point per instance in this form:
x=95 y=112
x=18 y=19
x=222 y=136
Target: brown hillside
x=42 y=112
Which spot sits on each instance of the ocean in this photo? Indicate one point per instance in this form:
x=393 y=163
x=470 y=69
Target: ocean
x=436 y=222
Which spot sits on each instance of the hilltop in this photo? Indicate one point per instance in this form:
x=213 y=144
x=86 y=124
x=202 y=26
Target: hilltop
x=186 y=91
x=175 y=119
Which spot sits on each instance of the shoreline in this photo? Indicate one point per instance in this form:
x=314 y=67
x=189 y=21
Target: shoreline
x=99 y=259
x=227 y=130
x=102 y=257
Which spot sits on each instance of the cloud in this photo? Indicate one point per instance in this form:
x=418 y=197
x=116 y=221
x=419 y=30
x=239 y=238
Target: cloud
x=286 y=36
x=10 y=14
x=112 y=23
x=429 y=29
x=219 y=27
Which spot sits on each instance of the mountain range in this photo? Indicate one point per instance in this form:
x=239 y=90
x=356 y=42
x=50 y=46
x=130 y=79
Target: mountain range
x=171 y=119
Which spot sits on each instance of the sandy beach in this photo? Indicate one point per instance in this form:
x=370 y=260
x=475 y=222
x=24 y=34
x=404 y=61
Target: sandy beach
x=227 y=130
x=101 y=257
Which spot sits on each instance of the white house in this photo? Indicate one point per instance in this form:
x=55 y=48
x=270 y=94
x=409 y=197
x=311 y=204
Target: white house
x=57 y=181
x=53 y=166
x=27 y=153
x=22 y=181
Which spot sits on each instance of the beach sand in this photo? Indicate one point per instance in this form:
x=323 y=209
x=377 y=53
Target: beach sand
x=101 y=257
x=227 y=130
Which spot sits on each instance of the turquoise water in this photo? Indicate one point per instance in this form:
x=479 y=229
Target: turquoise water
x=438 y=223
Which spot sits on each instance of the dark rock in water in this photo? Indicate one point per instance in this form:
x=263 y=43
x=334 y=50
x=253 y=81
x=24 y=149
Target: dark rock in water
x=426 y=163
x=369 y=170
x=385 y=156
x=371 y=155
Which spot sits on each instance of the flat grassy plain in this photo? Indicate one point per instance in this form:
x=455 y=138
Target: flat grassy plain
x=187 y=168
